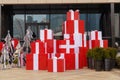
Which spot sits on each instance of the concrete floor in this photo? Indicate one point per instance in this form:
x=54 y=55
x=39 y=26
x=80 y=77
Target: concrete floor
x=82 y=74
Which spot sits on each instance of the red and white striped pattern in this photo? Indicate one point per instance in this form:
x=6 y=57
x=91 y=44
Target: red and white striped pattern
x=46 y=34
x=71 y=15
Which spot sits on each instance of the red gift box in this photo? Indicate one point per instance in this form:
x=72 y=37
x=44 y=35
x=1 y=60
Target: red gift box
x=70 y=61
x=37 y=47
x=1 y=45
x=105 y=43
x=66 y=46
x=95 y=43
x=43 y=61
x=71 y=15
x=46 y=34
x=80 y=39
x=32 y=62
x=51 y=46
x=56 y=64
x=83 y=57
x=73 y=26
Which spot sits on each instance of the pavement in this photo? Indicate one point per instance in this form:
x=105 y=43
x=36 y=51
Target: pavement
x=81 y=74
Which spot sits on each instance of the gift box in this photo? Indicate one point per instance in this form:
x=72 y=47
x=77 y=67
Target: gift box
x=96 y=43
x=83 y=57
x=95 y=35
x=37 y=47
x=70 y=61
x=73 y=26
x=51 y=46
x=56 y=64
x=46 y=34
x=105 y=43
x=32 y=62
x=15 y=42
x=66 y=46
x=43 y=61
x=1 y=45
x=71 y=15
x=80 y=39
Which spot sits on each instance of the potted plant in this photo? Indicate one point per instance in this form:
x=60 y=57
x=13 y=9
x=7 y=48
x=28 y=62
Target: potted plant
x=107 y=60
x=90 y=58
x=98 y=56
x=118 y=62
x=113 y=53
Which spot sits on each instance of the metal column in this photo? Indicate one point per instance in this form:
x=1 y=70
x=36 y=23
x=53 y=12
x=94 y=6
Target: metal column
x=0 y=20
x=112 y=24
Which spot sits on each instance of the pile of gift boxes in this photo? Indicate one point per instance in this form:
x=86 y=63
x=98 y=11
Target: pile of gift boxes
x=54 y=55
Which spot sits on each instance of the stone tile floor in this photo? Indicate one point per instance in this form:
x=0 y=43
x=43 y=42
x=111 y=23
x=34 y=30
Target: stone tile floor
x=82 y=74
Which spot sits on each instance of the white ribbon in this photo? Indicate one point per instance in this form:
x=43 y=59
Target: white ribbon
x=99 y=35
x=67 y=46
x=101 y=43
x=42 y=35
x=85 y=43
x=76 y=26
x=65 y=28
x=49 y=34
x=66 y=36
x=37 y=48
x=90 y=44
x=35 y=61
x=92 y=35
x=77 y=61
x=54 y=64
x=72 y=14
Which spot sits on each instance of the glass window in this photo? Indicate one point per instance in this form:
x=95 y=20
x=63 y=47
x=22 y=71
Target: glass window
x=56 y=21
x=18 y=26
x=117 y=25
x=37 y=18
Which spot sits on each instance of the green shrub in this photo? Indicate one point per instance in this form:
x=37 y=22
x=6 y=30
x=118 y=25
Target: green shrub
x=113 y=52
x=98 y=53
x=90 y=53
x=118 y=61
x=106 y=54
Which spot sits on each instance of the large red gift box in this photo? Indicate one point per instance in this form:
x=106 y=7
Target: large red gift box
x=36 y=61
x=56 y=64
x=83 y=57
x=73 y=26
x=43 y=61
x=70 y=61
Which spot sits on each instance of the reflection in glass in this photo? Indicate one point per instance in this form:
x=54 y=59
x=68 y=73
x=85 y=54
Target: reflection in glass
x=37 y=18
x=18 y=26
x=56 y=21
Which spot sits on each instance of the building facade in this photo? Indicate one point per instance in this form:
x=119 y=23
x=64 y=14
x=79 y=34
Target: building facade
x=17 y=15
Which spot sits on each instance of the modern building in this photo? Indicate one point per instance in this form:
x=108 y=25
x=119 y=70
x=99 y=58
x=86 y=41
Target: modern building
x=17 y=15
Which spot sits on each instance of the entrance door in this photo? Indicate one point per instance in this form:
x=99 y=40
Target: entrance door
x=36 y=27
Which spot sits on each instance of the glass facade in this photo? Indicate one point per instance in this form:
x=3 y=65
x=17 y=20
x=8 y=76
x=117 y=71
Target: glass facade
x=18 y=26
x=21 y=22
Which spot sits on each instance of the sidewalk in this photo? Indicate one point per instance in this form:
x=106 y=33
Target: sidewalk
x=82 y=74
